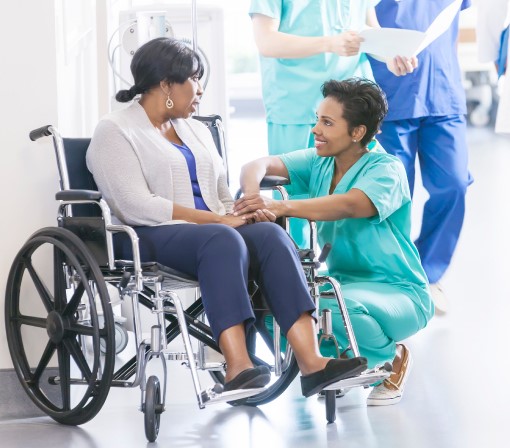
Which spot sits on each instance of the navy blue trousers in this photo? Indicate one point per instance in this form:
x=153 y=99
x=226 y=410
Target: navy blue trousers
x=223 y=258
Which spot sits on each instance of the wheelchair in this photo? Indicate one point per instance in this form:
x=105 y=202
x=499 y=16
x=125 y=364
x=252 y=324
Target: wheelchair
x=61 y=330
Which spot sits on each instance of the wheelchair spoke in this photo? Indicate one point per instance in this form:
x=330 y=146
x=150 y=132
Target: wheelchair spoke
x=75 y=300
x=59 y=280
x=76 y=352
x=65 y=374
x=84 y=330
x=43 y=291
x=32 y=321
x=43 y=363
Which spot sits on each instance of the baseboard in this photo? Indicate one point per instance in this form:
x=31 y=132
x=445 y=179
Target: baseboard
x=14 y=401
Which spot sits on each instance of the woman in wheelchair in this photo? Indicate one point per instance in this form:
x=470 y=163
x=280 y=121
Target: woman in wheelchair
x=159 y=171
x=361 y=200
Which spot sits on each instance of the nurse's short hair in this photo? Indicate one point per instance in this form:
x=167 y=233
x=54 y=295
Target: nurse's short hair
x=363 y=103
x=161 y=59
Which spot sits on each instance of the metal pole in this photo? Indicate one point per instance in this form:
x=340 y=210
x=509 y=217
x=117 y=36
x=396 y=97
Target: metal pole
x=194 y=24
x=194 y=43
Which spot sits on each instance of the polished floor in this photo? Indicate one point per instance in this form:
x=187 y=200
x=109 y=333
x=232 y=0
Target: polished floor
x=457 y=395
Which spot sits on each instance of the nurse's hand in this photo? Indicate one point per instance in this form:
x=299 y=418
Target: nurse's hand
x=263 y=215
x=401 y=66
x=345 y=44
x=249 y=204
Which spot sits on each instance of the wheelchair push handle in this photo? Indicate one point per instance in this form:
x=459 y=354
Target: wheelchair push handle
x=325 y=252
x=43 y=131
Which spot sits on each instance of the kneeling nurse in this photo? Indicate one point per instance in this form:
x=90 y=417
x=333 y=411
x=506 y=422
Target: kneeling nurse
x=360 y=198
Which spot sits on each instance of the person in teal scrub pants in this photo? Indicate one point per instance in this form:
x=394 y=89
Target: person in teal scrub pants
x=302 y=43
x=360 y=199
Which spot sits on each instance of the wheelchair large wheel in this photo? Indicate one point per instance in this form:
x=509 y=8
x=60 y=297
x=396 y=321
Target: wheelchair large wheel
x=57 y=311
x=260 y=346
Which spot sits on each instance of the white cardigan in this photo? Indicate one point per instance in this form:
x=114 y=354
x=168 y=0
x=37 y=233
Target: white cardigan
x=141 y=174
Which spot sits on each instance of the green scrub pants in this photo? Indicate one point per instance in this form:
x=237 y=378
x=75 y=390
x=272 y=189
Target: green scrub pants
x=283 y=138
x=381 y=315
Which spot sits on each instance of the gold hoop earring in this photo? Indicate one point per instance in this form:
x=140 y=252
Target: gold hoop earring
x=169 y=103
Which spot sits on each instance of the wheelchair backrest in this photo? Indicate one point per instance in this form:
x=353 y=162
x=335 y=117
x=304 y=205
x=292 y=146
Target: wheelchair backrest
x=215 y=126
x=80 y=178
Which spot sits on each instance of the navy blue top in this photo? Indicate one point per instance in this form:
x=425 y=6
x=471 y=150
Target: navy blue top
x=435 y=87
x=192 y=168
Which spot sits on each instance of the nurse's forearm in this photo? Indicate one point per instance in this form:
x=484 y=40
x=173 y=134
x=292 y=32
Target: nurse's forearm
x=319 y=209
x=251 y=175
x=354 y=204
x=275 y=44
x=253 y=172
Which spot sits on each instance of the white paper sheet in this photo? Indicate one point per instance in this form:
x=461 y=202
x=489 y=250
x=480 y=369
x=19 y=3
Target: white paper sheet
x=386 y=43
x=440 y=24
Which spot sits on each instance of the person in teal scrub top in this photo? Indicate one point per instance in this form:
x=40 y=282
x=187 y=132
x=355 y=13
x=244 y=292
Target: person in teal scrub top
x=360 y=199
x=301 y=44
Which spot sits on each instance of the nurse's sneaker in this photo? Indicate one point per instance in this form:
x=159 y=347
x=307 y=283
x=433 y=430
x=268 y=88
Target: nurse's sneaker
x=439 y=299
x=390 y=391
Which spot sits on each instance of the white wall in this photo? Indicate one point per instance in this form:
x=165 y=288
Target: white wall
x=28 y=89
x=49 y=75
x=77 y=66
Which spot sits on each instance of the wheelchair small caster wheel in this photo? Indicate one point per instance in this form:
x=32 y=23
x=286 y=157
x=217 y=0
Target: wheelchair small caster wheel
x=330 y=402
x=121 y=339
x=152 y=409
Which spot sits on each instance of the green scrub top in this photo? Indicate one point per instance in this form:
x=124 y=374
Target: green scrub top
x=291 y=87
x=377 y=249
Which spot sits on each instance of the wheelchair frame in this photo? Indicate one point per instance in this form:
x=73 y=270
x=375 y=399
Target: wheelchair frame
x=78 y=315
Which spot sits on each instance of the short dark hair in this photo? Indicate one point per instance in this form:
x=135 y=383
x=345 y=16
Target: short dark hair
x=363 y=102
x=161 y=59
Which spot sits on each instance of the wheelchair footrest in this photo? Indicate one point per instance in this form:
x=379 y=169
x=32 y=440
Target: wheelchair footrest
x=211 y=397
x=365 y=379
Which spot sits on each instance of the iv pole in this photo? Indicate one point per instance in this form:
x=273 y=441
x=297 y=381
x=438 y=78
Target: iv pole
x=194 y=32
x=194 y=24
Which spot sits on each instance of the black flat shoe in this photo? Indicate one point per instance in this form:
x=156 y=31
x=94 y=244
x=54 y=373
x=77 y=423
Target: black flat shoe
x=335 y=370
x=249 y=379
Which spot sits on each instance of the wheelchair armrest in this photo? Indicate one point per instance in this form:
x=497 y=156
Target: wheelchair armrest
x=269 y=182
x=78 y=195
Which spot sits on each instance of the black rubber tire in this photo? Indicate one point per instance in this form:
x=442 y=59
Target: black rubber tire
x=259 y=339
x=71 y=318
x=330 y=402
x=152 y=408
